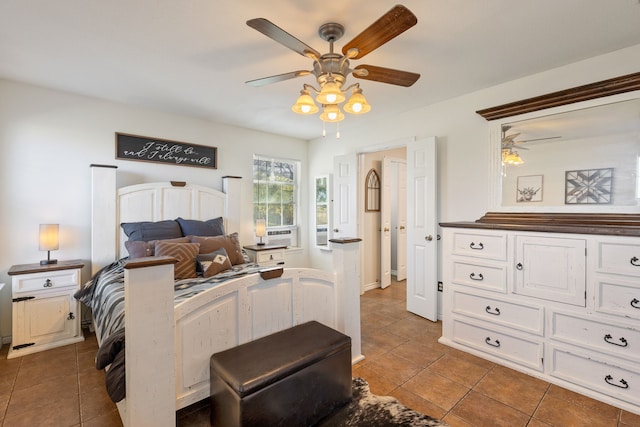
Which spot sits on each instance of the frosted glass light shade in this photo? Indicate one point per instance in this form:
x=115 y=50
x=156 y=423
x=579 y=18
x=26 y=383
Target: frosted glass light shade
x=305 y=104
x=331 y=114
x=330 y=94
x=357 y=103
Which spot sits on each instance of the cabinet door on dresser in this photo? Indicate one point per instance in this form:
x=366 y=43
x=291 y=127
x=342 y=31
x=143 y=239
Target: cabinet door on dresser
x=45 y=318
x=551 y=268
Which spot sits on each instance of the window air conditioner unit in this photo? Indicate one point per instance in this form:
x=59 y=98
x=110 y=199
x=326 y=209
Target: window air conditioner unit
x=288 y=237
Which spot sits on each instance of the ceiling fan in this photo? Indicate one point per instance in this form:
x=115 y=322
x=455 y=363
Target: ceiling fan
x=332 y=69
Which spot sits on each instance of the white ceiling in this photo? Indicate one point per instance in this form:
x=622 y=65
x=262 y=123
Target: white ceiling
x=192 y=57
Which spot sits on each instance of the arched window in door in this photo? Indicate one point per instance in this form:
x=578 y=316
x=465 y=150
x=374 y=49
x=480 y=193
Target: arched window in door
x=372 y=192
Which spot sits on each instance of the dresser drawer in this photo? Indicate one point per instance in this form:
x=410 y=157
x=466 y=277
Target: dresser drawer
x=482 y=276
x=524 y=317
x=613 y=339
x=617 y=380
x=480 y=245
x=45 y=281
x=507 y=345
x=618 y=297
x=619 y=257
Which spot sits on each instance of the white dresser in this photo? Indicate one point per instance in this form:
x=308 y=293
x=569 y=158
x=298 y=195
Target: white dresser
x=548 y=300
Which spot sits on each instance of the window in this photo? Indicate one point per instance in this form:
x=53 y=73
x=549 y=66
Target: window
x=275 y=193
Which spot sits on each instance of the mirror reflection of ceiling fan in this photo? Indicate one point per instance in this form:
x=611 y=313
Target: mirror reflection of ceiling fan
x=509 y=142
x=332 y=69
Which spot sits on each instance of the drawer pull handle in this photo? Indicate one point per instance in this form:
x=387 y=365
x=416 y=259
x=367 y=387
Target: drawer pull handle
x=47 y=284
x=477 y=247
x=608 y=338
x=492 y=344
x=71 y=316
x=519 y=266
x=609 y=379
x=495 y=311
x=634 y=303
x=480 y=277
x=634 y=261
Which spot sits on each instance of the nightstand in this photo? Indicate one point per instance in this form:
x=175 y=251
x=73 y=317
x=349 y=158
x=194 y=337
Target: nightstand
x=45 y=313
x=266 y=255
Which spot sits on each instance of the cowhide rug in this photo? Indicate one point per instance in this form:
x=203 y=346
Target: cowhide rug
x=364 y=410
x=367 y=409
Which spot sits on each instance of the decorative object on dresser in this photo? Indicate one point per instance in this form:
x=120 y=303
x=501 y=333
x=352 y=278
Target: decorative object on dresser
x=48 y=241
x=45 y=313
x=266 y=255
x=553 y=295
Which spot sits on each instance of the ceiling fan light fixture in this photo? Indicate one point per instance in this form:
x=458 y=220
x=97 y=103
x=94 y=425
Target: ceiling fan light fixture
x=331 y=114
x=357 y=103
x=305 y=104
x=512 y=158
x=330 y=93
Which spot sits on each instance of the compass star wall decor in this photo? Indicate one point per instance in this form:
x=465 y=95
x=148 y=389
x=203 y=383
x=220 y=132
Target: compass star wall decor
x=588 y=186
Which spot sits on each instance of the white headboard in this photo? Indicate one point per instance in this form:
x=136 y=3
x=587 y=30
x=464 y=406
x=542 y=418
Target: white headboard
x=151 y=202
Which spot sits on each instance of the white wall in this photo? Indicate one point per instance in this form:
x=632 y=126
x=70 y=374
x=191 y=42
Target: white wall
x=49 y=138
x=463 y=148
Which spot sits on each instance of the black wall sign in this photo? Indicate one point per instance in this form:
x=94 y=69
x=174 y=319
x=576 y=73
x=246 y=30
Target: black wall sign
x=144 y=149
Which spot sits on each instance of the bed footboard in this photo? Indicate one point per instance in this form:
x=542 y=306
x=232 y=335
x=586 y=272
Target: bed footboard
x=168 y=350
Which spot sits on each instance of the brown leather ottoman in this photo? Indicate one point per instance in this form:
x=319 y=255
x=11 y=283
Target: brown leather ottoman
x=291 y=378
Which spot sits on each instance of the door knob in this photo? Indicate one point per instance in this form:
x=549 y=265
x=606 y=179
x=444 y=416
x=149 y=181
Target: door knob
x=335 y=230
x=428 y=238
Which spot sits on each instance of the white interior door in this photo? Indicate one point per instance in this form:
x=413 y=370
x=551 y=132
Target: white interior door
x=345 y=196
x=422 y=282
x=401 y=235
x=385 y=222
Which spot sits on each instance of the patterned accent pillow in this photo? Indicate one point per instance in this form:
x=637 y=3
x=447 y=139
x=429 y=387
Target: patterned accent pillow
x=213 y=263
x=230 y=243
x=139 y=249
x=185 y=253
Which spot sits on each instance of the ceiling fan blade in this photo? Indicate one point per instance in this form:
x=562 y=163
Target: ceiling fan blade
x=385 y=75
x=277 y=78
x=393 y=23
x=276 y=33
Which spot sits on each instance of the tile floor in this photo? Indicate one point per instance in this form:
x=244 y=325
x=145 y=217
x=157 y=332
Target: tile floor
x=60 y=387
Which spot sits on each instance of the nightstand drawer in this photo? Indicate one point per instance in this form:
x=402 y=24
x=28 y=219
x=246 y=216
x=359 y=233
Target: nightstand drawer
x=619 y=258
x=48 y=280
x=270 y=257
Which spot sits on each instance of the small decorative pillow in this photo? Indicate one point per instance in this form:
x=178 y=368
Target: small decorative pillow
x=230 y=243
x=213 y=263
x=139 y=249
x=147 y=230
x=193 y=227
x=185 y=253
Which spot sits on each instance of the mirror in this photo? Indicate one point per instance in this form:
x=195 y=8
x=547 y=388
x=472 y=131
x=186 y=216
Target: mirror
x=322 y=210
x=583 y=159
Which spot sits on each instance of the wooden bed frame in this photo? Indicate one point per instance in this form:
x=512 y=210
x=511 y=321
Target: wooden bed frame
x=168 y=348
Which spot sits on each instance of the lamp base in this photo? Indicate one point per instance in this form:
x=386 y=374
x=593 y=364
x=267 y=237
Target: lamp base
x=261 y=243
x=48 y=261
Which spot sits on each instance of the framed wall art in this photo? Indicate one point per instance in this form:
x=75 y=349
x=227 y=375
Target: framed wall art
x=588 y=186
x=145 y=149
x=529 y=189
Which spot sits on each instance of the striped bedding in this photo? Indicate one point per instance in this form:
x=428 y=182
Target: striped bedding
x=104 y=293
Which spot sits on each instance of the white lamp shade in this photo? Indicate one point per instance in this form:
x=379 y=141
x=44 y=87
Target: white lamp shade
x=48 y=237
x=261 y=228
